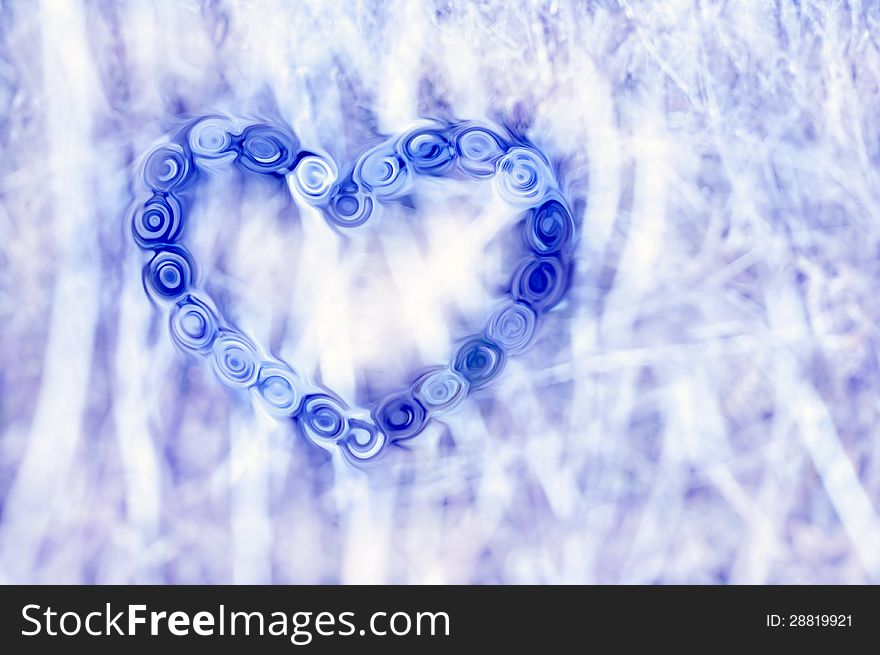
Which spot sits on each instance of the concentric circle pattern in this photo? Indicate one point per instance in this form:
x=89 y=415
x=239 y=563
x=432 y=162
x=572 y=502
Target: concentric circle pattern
x=348 y=196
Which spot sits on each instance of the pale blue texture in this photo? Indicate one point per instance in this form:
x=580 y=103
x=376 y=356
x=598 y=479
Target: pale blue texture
x=697 y=405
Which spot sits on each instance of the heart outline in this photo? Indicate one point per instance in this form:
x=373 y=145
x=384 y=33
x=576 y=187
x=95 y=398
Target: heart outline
x=522 y=176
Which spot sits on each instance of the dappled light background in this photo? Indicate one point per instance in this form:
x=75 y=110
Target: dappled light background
x=701 y=408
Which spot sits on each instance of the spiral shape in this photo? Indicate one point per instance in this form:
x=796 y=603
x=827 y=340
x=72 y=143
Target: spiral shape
x=169 y=274
x=313 y=178
x=480 y=361
x=278 y=387
x=364 y=443
x=269 y=150
x=549 y=228
x=211 y=138
x=236 y=362
x=400 y=416
x=193 y=325
x=540 y=282
x=167 y=168
x=428 y=150
x=349 y=205
x=156 y=222
x=512 y=326
x=478 y=150
x=440 y=390
x=383 y=172
x=322 y=419
x=522 y=177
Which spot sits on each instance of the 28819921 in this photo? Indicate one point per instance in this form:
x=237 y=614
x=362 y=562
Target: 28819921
x=809 y=621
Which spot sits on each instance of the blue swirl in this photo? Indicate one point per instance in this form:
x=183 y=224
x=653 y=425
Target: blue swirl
x=440 y=390
x=322 y=419
x=193 y=325
x=384 y=172
x=349 y=205
x=480 y=361
x=512 y=326
x=313 y=178
x=211 y=138
x=400 y=416
x=541 y=282
x=478 y=149
x=522 y=177
x=364 y=443
x=169 y=274
x=156 y=222
x=428 y=150
x=549 y=228
x=267 y=149
x=236 y=362
x=167 y=168
x=278 y=386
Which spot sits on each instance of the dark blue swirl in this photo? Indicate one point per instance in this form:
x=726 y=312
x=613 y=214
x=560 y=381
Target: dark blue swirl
x=169 y=274
x=540 y=282
x=549 y=228
x=440 y=390
x=278 y=386
x=400 y=416
x=480 y=361
x=267 y=149
x=193 y=325
x=384 y=172
x=478 y=149
x=168 y=168
x=236 y=361
x=428 y=150
x=157 y=221
x=512 y=326
x=211 y=138
x=364 y=443
x=322 y=419
x=349 y=206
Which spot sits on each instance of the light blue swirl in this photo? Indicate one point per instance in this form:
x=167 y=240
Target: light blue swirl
x=236 y=362
x=384 y=172
x=512 y=326
x=364 y=443
x=478 y=150
x=193 y=325
x=167 y=168
x=322 y=419
x=211 y=138
x=440 y=390
x=522 y=177
x=278 y=387
x=313 y=178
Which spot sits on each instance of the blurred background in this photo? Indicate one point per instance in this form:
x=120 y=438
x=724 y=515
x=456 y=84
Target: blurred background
x=702 y=409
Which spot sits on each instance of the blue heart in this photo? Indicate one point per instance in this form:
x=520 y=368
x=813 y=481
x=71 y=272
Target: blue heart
x=522 y=176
